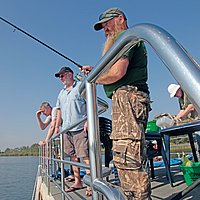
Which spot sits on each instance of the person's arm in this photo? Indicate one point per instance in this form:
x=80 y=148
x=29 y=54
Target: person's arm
x=116 y=72
x=183 y=113
x=42 y=124
x=53 y=124
x=50 y=131
x=58 y=121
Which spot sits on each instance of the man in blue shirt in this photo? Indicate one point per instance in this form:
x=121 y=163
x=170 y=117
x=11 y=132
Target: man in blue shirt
x=72 y=108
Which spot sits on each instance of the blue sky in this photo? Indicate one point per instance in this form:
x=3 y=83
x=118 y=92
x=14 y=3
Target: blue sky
x=28 y=68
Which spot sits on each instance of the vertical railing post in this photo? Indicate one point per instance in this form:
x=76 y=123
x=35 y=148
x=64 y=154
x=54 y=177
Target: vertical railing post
x=43 y=160
x=50 y=158
x=40 y=160
x=49 y=161
x=47 y=153
x=52 y=149
x=62 y=164
x=93 y=135
x=54 y=155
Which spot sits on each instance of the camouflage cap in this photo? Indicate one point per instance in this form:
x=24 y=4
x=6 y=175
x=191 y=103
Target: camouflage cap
x=108 y=15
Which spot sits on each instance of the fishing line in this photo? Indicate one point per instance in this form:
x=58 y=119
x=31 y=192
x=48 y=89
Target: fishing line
x=75 y=63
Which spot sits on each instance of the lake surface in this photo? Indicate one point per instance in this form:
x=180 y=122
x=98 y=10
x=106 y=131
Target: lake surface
x=17 y=177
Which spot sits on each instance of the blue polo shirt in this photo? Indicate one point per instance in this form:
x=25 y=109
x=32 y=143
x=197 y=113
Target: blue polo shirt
x=72 y=105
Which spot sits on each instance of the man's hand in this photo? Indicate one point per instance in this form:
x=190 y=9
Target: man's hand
x=86 y=126
x=57 y=130
x=38 y=113
x=176 y=118
x=86 y=69
x=46 y=141
x=41 y=143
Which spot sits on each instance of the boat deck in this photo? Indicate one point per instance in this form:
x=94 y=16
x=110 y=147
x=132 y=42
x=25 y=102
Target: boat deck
x=161 y=189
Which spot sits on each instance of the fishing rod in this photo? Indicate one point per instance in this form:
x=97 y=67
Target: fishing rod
x=75 y=63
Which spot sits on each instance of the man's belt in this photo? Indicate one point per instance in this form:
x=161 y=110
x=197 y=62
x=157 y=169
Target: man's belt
x=72 y=133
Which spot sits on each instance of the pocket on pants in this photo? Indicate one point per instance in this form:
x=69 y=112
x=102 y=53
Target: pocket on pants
x=127 y=154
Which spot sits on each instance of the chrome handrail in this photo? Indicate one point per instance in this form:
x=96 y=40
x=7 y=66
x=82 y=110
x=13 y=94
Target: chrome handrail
x=173 y=55
x=178 y=61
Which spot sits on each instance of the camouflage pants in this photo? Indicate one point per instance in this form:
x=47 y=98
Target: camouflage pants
x=129 y=117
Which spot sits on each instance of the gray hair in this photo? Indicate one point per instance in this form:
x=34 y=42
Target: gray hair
x=45 y=104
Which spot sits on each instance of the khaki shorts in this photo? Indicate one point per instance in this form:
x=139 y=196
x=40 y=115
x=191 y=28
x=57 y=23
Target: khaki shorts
x=76 y=144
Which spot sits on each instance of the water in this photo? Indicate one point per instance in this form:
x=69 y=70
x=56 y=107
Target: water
x=17 y=177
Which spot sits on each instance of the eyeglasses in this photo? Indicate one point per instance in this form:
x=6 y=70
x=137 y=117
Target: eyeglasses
x=61 y=75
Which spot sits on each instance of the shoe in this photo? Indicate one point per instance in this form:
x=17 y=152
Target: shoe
x=72 y=189
x=88 y=192
x=69 y=179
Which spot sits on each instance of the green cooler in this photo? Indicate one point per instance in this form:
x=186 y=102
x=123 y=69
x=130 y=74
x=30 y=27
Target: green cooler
x=152 y=127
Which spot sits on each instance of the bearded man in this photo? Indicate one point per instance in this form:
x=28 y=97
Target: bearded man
x=126 y=83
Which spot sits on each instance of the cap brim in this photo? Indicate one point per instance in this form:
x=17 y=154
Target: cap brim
x=57 y=75
x=98 y=25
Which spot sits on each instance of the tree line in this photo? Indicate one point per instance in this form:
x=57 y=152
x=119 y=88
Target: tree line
x=21 y=151
x=33 y=150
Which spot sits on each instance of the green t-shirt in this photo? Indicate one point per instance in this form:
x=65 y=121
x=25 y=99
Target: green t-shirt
x=184 y=101
x=136 y=74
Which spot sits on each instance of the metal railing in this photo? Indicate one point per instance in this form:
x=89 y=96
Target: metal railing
x=176 y=59
x=173 y=55
x=48 y=160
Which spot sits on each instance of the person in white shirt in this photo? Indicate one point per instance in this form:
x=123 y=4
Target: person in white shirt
x=51 y=115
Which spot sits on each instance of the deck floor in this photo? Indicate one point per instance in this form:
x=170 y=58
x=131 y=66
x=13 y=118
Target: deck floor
x=161 y=189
